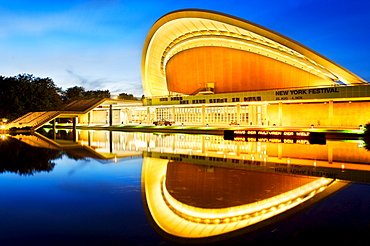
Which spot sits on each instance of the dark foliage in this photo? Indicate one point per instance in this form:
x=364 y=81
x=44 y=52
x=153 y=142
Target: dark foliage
x=367 y=129
x=79 y=93
x=25 y=93
x=126 y=96
x=18 y=157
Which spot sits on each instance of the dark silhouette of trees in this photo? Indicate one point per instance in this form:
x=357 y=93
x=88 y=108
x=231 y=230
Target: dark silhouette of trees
x=18 y=157
x=26 y=93
x=126 y=96
x=79 y=93
x=366 y=137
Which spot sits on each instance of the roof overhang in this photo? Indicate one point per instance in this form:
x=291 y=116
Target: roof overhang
x=186 y=29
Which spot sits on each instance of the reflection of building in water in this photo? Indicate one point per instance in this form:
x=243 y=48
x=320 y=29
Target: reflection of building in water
x=218 y=187
x=333 y=159
x=333 y=154
x=197 y=201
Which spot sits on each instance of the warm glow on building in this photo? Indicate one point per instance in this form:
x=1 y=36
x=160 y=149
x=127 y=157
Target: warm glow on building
x=204 y=67
x=197 y=47
x=180 y=219
x=207 y=68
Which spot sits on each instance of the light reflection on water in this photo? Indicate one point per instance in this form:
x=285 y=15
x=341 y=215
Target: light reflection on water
x=119 y=188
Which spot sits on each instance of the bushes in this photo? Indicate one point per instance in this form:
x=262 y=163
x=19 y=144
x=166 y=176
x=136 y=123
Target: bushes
x=367 y=129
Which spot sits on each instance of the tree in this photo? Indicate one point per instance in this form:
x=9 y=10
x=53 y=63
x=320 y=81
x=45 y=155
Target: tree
x=97 y=94
x=23 y=159
x=79 y=93
x=26 y=93
x=126 y=96
x=73 y=93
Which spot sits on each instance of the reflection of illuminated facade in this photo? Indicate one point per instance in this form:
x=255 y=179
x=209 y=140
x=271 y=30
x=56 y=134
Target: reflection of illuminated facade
x=201 y=67
x=198 y=187
x=195 y=201
x=335 y=159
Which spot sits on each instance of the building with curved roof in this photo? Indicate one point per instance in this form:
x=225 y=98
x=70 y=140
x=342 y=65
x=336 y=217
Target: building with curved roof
x=201 y=67
x=186 y=50
x=205 y=67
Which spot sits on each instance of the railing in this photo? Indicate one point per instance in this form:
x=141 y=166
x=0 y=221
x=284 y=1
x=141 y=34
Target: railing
x=34 y=119
x=45 y=119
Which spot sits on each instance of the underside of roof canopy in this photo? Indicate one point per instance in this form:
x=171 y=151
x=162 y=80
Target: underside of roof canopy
x=192 y=30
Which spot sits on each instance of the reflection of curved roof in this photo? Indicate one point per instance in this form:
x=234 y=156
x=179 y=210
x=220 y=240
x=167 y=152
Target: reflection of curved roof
x=225 y=187
x=186 y=221
x=186 y=29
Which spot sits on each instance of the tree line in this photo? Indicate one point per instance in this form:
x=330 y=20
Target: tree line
x=25 y=93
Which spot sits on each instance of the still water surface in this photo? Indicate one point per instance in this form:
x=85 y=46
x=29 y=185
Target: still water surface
x=117 y=188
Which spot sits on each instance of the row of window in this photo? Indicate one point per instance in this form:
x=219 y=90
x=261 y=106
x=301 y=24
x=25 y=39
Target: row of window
x=218 y=100
x=247 y=99
x=199 y=101
x=176 y=98
x=165 y=99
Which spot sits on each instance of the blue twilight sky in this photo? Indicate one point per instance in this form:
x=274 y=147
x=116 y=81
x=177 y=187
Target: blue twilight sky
x=97 y=44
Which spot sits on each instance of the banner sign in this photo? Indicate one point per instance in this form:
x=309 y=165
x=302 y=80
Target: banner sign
x=274 y=136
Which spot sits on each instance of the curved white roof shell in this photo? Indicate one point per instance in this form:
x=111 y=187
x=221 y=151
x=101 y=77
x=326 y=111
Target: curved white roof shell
x=186 y=29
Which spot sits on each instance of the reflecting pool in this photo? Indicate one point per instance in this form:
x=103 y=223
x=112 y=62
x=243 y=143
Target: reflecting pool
x=131 y=188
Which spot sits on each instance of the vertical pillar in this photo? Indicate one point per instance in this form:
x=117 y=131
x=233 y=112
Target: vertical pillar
x=89 y=138
x=225 y=111
x=74 y=129
x=203 y=144
x=203 y=113
x=173 y=141
x=110 y=141
x=148 y=115
x=54 y=129
x=110 y=115
x=238 y=148
x=89 y=118
x=280 y=114
x=331 y=113
x=252 y=114
x=120 y=117
x=264 y=114
x=173 y=114
x=280 y=150
x=330 y=152
x=238 y=113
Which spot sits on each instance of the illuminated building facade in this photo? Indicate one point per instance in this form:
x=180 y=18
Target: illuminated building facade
x=203 y=67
